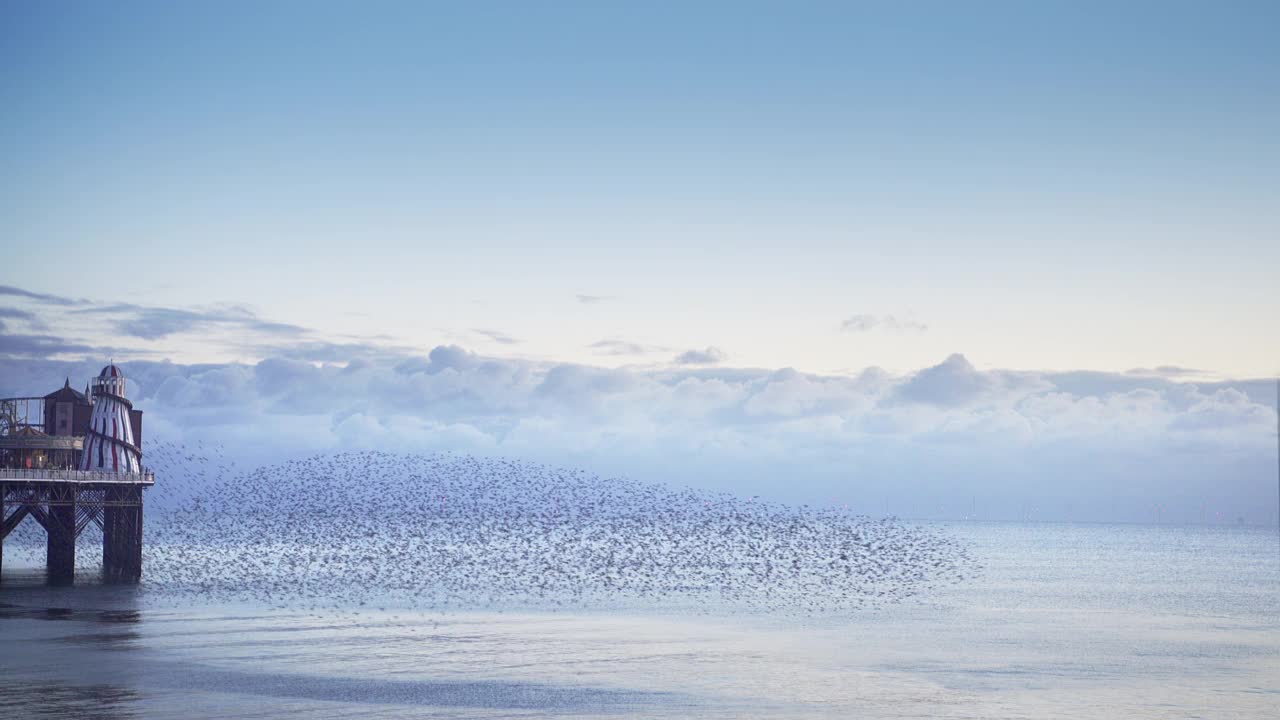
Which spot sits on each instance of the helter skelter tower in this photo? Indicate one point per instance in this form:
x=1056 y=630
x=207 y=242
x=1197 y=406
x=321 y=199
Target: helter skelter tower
x=109 y=445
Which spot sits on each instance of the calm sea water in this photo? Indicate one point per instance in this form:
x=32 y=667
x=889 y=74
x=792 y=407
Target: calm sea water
x=1069 y=621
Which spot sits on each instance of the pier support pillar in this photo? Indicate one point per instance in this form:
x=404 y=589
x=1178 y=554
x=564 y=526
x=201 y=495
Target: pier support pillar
x=60 y=547
x=122 y=536
x=110 y=561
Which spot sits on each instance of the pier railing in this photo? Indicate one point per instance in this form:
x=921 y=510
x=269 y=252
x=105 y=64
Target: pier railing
x=146 y=477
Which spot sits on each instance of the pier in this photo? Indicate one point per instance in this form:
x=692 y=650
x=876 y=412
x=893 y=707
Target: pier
x=72 y=460
x=66 y=503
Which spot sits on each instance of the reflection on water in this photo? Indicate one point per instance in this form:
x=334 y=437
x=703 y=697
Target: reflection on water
x=51 y=635
x=1067 y=621
x=117 y=641
x=91 y=702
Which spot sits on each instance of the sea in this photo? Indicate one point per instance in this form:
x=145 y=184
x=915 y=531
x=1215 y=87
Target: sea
x=1062 y=621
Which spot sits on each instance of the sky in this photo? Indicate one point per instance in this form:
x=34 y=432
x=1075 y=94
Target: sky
x=851 y=192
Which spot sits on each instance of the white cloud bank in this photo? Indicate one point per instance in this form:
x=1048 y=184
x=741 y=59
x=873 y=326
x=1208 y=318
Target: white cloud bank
x=936 y=443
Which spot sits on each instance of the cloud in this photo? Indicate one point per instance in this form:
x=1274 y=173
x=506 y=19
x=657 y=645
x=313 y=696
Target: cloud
x=1104 y=443
x=623 y=347
x=592 y=299
x=951 y=383
x=153 y=323
x=18 y=314
x=85 y=327
x=709 y=356
x=323 y=351
x=40 y=297
x=412 y=365
x=1169 y=371
x=450 y=357
x=860 y=323
x=904 y=324
x=956 y=383
x=867 y=323
x=496 y=336
x=42 y=346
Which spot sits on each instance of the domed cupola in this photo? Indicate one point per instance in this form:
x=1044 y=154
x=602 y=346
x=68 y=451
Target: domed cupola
x=110 y=381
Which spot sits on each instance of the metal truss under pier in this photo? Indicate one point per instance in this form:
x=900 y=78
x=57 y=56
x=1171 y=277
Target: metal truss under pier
x=64 y=503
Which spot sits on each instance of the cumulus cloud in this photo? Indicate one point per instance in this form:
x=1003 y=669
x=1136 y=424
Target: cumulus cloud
x=866 y=323
x=708 y=356
x=950 y=383
x=947 y=434
x=450 y=357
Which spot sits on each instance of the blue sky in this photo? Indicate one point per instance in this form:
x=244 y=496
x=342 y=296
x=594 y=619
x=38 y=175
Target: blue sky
x=1041 y=185
x=634 y=218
